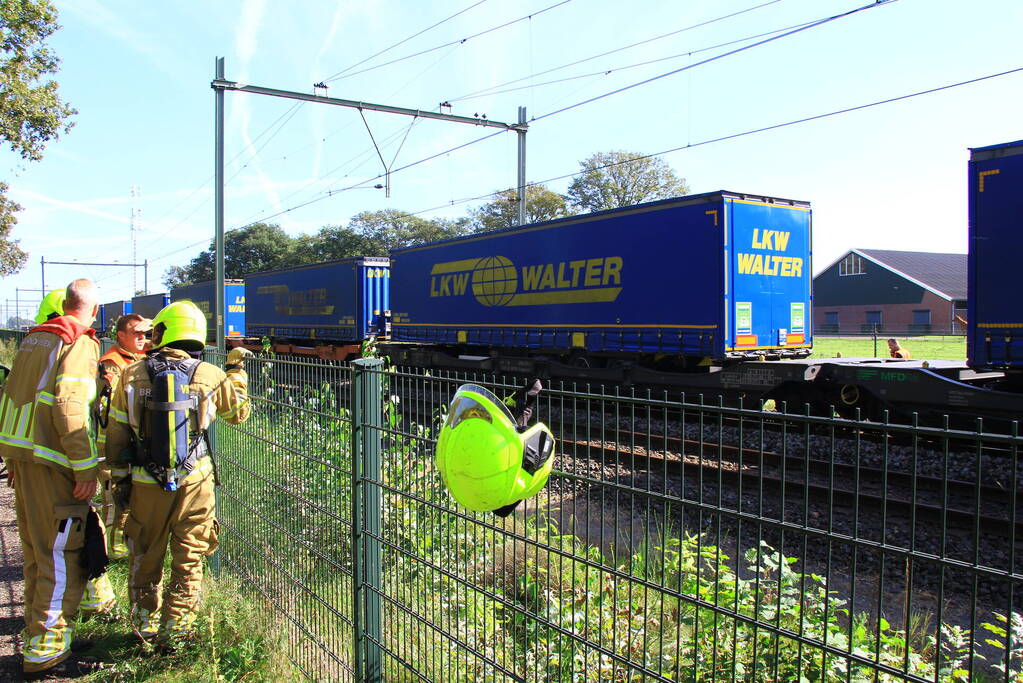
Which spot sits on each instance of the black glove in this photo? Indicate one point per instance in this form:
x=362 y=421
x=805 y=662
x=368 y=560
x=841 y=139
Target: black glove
x=94 y=554
x=122 y=493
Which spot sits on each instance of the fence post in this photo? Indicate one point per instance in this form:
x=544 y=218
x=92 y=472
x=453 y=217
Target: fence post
x=367 y=419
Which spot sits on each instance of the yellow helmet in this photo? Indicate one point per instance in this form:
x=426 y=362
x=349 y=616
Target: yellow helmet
x=181 y=321
x=51 y=306
x=487 y=462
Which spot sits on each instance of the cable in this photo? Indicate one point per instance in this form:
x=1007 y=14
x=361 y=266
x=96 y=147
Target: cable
x=460 y=41
x=814 y=24
x=609 y=52
x=340 y=73
x=606 y=72
x=732 y=136
x=292 y=111
x=701 y=143
x=332 y=192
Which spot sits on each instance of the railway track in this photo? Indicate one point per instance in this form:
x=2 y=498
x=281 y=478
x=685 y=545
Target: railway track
x=915 y=498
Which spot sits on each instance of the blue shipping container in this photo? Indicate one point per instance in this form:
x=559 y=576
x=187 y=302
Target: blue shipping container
x=995 y=317
x=150 y=304
x=341 y=301
x=109 y=313
x=713 y=275
x=201 y=294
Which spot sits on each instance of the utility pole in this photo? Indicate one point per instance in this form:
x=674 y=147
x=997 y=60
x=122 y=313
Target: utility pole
x=521 y=134
x=218 y=162
x=136 y=217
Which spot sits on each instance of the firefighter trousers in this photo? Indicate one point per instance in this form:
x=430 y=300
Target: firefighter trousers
x=51 y=524
x=185 y=519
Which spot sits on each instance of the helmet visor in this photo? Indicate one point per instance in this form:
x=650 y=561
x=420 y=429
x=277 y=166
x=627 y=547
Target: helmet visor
x=465 y=406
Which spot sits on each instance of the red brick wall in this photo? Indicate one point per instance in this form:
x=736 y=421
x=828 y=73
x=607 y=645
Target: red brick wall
x=895 y=318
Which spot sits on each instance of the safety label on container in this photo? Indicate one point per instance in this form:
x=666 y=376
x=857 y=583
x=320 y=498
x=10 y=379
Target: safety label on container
x=798 y=314
x=743 y=317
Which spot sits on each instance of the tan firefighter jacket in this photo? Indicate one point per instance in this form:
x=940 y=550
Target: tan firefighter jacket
x=46 y=405
x=223 y=395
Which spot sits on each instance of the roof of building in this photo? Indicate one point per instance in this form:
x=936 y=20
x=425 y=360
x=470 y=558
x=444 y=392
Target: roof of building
x=945 y=274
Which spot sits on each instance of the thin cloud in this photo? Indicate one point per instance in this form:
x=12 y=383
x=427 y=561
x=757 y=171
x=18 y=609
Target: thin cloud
x=100 y=17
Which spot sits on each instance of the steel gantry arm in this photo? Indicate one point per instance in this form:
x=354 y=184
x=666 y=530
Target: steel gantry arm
x=220 y=85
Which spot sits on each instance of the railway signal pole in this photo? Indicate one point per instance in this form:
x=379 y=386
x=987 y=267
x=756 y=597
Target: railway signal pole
x=220 y=84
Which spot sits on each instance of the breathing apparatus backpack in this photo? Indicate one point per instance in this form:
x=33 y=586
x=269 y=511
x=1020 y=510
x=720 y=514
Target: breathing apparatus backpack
x=169 y=450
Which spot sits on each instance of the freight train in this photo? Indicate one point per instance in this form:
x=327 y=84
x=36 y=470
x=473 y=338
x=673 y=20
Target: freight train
x=708 y=294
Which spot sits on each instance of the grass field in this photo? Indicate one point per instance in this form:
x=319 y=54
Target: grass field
x=921 y=348
x=235 y=639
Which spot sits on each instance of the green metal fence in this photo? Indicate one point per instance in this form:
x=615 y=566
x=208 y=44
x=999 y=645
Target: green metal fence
x=675 y=541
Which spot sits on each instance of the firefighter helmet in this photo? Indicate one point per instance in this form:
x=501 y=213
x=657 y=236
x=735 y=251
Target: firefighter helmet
x=181 y=321
x=52 y=306
x=486 y=462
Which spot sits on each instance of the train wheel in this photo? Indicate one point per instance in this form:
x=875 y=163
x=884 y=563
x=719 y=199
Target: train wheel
x=853 y=399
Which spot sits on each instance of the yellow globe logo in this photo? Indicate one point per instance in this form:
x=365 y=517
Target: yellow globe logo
x=494 y=281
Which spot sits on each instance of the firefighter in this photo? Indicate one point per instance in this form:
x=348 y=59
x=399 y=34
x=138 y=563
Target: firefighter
x=47 y=441
x=896 y=351
x=99 y=600
x=171 y=493
x=130 y=333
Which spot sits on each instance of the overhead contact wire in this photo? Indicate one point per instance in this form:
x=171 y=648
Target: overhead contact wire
x=487 y=91
x=340 y=74
x=460 y=41
x=732 y=136
x=800 y=29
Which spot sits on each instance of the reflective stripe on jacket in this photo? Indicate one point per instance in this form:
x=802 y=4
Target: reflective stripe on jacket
x=223 y=395
x=46 y=404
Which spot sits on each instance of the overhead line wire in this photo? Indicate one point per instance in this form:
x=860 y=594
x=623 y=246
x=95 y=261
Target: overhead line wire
x=486 y=91
x=814 y=24
x=339 y=74
x=331 y=193
x=605 y=72
x=723 y=138
x=459 y=41
x=732 y=136
x=291 y=110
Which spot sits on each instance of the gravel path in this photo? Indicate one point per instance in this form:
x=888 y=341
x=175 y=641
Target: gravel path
x=11 y=585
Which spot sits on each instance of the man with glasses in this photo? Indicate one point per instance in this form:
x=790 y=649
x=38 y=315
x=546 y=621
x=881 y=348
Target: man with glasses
x=132 y=336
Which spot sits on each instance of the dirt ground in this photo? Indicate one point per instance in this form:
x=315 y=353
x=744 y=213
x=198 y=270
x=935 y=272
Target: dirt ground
x=11 y=585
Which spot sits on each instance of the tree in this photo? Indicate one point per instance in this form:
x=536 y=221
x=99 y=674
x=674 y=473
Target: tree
x=31 y=111
x=393 y=229
x=542 y=204
x=614 y=179
x=335 y=242
x=256 y=247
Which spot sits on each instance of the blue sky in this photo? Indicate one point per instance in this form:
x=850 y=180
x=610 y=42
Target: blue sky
x=891 y=176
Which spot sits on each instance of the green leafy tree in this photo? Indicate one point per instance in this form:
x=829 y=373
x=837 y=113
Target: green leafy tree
x=610 y=180
x=335 y=242
x=31 y=111
x=542 y=204
x=256 y=247
x=393 y=229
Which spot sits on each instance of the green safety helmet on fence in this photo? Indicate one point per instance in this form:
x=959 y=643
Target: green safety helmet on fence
x=181 y=321
x=487 y=463
x=51 y=306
